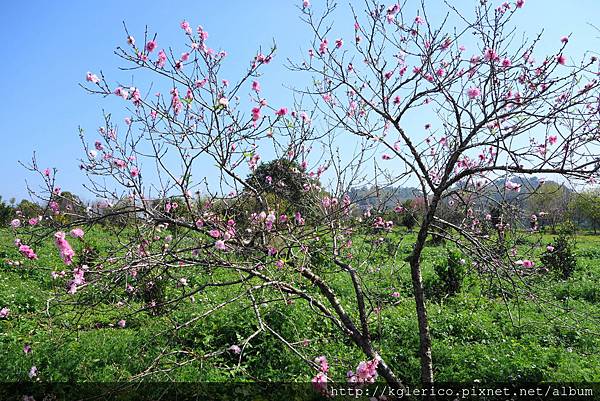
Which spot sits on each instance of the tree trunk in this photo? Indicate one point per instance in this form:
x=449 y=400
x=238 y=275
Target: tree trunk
x=417 y=281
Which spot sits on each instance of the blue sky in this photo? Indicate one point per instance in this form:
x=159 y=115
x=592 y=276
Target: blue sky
x=49 y=46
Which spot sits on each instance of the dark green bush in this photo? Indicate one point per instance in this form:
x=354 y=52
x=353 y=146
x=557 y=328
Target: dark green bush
x=559 y=257
x=450 y=272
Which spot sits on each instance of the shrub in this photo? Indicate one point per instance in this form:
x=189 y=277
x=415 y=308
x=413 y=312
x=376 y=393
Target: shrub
x=450 y=273
x=559 y=256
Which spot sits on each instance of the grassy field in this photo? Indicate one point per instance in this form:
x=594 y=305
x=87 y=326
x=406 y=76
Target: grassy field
x=477 y=334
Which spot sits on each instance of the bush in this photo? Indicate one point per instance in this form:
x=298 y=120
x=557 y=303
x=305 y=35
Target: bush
x=7 y=213
x=450 y=273
x=559 y=256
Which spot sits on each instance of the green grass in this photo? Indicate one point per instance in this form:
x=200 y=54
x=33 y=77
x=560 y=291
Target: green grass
x=476 y=334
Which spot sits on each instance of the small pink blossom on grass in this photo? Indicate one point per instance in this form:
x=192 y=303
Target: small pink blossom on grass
x=15 y=223
x=27 y=349
x=550 y=248
x=121 y=323
x=4 y=312
x=33 y=372
x=220 y=245
x=235 y=349
x=525 y=263
x=395 y=294
x=27 y=252
x=77 y=233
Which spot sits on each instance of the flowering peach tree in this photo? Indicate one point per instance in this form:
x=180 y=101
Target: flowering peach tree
x=170 y=177
x=493 y=108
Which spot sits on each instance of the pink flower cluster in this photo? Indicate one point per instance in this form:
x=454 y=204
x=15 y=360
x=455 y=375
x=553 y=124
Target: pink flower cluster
x=366 y=372
x=27 y=252
x=66 y=252
x=319 y=382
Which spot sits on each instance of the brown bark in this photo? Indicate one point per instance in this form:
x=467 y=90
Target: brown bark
x=417 y=280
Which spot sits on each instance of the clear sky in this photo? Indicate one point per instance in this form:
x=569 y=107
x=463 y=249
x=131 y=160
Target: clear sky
x=48 y=46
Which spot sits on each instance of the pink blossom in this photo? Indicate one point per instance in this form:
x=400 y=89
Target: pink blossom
x=66 y=252
x=339 y=43
x=32 y=372
x=186 y=27
x=235 y=349
x=279 y=263
x=256 y=86
x=506 y=62
x=77 y=233
x=550 y=248
x=282 y=111
x=15 y=223
x=490 y=55
x=552 y=139
x=525 y=263
x=419 y=20
x=385 y=156
x=323 y=47
x=255 y=113
x=395 y=294
x=150 y=46
x=512 y=186
x=27 y=252
x=223 y=101
x=34 y=221
x=306 y=4
x=319 y=382
x=214 y=233
x=220 y=245
x=4 y=312
x=564 y=39
x=473 y=92
x=560 y=59
x=93 y=78
x=134 y=172
x=122 y=323
x=162 y=59
x=520 y=3
x=121 y=92
x=27 y=349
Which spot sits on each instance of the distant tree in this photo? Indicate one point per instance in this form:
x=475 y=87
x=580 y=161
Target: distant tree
x=29 y=209
x=586 y=206
x=7 y=213
x=549 y=202
x=287 y=180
